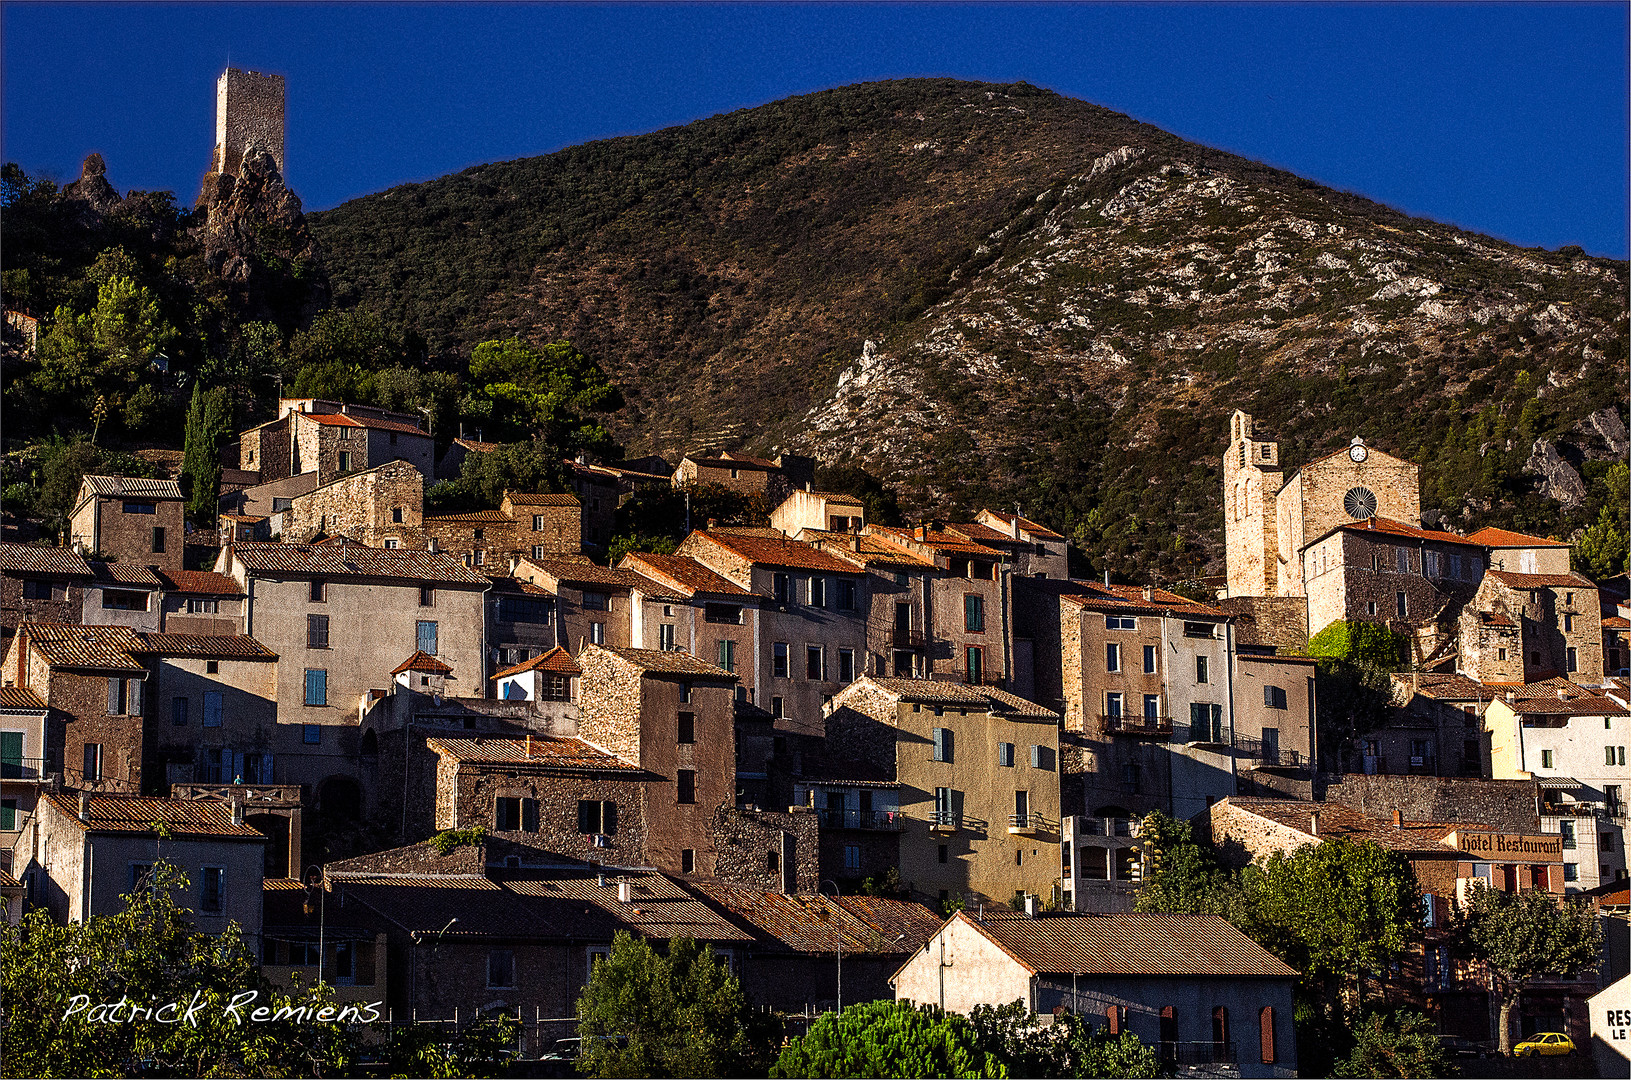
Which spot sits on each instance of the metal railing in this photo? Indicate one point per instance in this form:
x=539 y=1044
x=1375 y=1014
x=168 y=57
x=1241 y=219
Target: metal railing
x=945 y=819
x=1030 y=821
x=1268 y=754
x=1138 y=725
x=843 y=818
x=1203 y=734
x=1198 y=1053
x=250 y=794
x=28 y=768
x=907 y=639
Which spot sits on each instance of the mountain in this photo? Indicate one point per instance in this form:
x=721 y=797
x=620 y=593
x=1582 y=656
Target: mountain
x=995 y=294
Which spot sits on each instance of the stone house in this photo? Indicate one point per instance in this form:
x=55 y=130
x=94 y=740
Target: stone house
x=130 y=520
x=79 y=855
x=898 y=643
x=1211 y=1000
x=212 y=714
x=1570 y=739
x=301 y=946
x=968 y=604
x=1529 y=627
x=520 y=622
x=599 y=492
x=524 y=526
x=341 y=616
x=382 y=506
x=976 y=771
x=25 y=768
x=40 y=584
x=592 y=604
x=680 y=604
x=1452 y=705
x=1615 y=623
x=1380 y=570
x=330 y=439
x=1276 y=751
x=673 y=716
x=1048 y=554
x=773 y=478
x=201 y=603
x=1520 y=553
x=818 y=511
x=123 y=594
x=549 y=676
x=450 y=466
x=811 y=621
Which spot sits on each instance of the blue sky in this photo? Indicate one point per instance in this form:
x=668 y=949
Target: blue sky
x=1509 y=119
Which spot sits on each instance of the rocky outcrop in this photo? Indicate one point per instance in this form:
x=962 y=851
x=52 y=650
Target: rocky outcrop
x=92 y=188
x=1559 y=480
x=254 y=236
x=1602 y=436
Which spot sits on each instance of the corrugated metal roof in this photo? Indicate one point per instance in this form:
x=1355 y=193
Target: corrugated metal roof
x=28 y=559
x=133 y=487
x=105 y=648
x=680 y=572
x=557 y=661
x=18 y=698
x=423 y=661
x=137 y=814
x=1092 y=944
x=668 y=663
x=355 y=560
x=199 y=582
x=216 y=647
x=545 y=750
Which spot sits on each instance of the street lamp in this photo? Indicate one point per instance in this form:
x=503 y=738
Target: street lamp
x=838 y=927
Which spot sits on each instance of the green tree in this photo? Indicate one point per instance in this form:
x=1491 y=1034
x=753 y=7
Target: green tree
x=148 y=954
x=1523 y=936
x=1010 y=1033
x=520 y=391
x=477 y=1049
x=1367 y=643
x=683 y=1014
x=888 y=1038
x=1601 y=550
x=532 y=466
x=209 y=425
x=1180 y=877
x=1095 y=1052
x=1400 y=1044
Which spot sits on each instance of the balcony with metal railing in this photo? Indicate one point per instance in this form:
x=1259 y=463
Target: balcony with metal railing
x=1027 y=824
x=1204 y=735
x=28 y=769
x=878 y=820
x=250 y=794
x=945 y=820
x=1261 y=755
x=1159 y=727
x=1197 y=1053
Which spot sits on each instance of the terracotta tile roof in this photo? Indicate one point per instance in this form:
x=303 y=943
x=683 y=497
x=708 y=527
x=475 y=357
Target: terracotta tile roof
x=350 y=559
x=1389 y=527
x=946 y=692
x=557 y=661
x=1094 y=944
x=1126 y=599
x=1445 y=687
x=28 y=559
x=348 y=420
x=136 y=814
x=568 y=572
x=70 y=645
x=837 y=498
x=940 y=540
x=660 y=907
x=133 y=487
x=668 y=662
x=1489 y=536
x=475 y=517
x=546 y=751
x=867 y=549
x=19 y=699
x=510 y=584
x=1616 y=622
x=1555 y=687
x=1580 y=706
x=1541 y=581
x=819 y=924
x=198 y=582
x=777 y=551
x=1027 y=525
x=9 y=883
x=478 y=447
x=213 y=647
x=681 y=572
x=1418 y=837
x=119 y=573
x=523 y=498
x=732 y=455
x=423 y=661
x=983 y=534
x=1495 y=618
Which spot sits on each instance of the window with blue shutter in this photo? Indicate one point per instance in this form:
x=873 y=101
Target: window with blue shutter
x=316 y=686
x=426 y=636
x=212 y=708
x=942 y=744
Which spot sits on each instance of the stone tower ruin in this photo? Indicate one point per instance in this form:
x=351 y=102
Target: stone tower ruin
x=248 y=115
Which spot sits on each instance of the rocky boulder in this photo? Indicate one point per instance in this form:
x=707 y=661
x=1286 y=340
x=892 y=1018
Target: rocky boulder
x=1559 y=479
x=254 y=236
x=92 y=188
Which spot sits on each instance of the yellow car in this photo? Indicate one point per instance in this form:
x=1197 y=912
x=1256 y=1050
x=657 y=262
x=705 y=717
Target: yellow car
x=1547 y=1044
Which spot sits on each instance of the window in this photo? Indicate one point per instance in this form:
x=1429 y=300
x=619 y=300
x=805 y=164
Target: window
x=1370 y=608
x=1132 y=777
x=158 y=540
x=1399 y=606
x=1571 y=659
x=116 y=697
x=1546 y=759
x=316 y=631
x=1201 y=669
x=1401 y=560
x=687 y=786
x=42 y=590
x=1265 y=1024
x=1150 y=655
x=427 y=596
x=316 y=686
x=1500 y=654
x=596 y=601
x=1565 y=829
x=943 y=854
x=1005 y=754
x=424 y=633
x=1568 y=621
x=1199 y=629
x=665 y=637
x=597 y=633
x=515 y=814
x=140 y=872
x=212 y=891
x=846 y=595
x=1220 y=1032
x=1112 y=704
x=596 y=816
x=319 y=591
x=943 y=744
x=136 y=506
x=8 y=815
x=345 y=460
x=815 y=666
x=778 y=659
x=1571 y=871
x=203 y=607
x=846 y=665
x=1041 y=756
x=93 y=761
x=852 y=857
x=776 y=707
x=974 y=658
x=311 y=734
x=1430 y=564
x=1112 y=657
x=1608 y=755
x=687 y=727
x=1274 y=697
x=527 y=609
x=123 y=600
x=685 y=692
x=178 y=711
x=974 y=613
x=1120 y=622
x=212 y=708
x=501 y=968
x=1152 y=706
x=781 y=587
x=729 y=614
x=818 y=592
x=1455 y=565
x=688 y=861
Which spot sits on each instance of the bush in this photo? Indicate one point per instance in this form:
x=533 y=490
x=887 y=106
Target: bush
x=888 y=1038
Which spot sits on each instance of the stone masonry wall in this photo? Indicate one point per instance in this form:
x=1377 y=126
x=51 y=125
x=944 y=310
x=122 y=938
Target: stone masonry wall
x=361 y=507
x=744 y=841
x=478 y=787
x=83 y=701
x=610 y=702
x=15 y=610
x=248 y=112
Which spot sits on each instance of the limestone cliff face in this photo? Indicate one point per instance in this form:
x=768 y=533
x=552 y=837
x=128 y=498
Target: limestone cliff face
x=99 y=197
x=254 y=236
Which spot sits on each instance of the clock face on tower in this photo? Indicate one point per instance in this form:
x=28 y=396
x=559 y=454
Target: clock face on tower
x=1357 y=451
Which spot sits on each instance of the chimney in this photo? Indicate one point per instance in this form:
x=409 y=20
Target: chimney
x=921 y=533
x=1107 y=577
x=1016 y=524
x=84 y=806
x=529 y=744
x=625 y=892
x=1398 y=818
x=1313 y=823
x=237 y=811
x=1149 y=594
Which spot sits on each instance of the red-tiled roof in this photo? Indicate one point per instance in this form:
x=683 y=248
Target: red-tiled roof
x=423 y=661
x=1027 y=525
x=18 y=698
x=351 y=559
x=982 y=534
x=133 y=487
x=137 y=814
x=475 y=517
x=523 y=498
x=1095 y=944
x=1126 y=599
x=946 y=692
x=69 y=645
x=213 y=647
x=478 y=447
x=680 y=572
x=1541 y=581
x=348 y=420
x=940 y=540
x=1446 y=687
x=198 y=582
x=779 y=552
x=1389 y=527
x=1580 y=706
x=543 y=750
x=28 y=559
x=867 y=549
x=667 y=662
x=557 y=661
x=1489 y=536
x=1616 y=622
x=1422 y=838
x=569 y=572
x=118 y=573
x=819 y=924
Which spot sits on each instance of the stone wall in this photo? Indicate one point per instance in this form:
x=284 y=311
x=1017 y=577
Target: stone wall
x=1251 y=476
x=68 y=600
x=102 y=524
x=363 y=507
x=82 y=701
x=1280 y=621
x=745 y=840
x=1238 y=835
x=248 y=112
x=610 y=690
x=1508 y=805
x=266 y=450
x=477 y=786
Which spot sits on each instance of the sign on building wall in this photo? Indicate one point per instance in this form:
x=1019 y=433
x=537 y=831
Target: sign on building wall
x=1508 y=847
